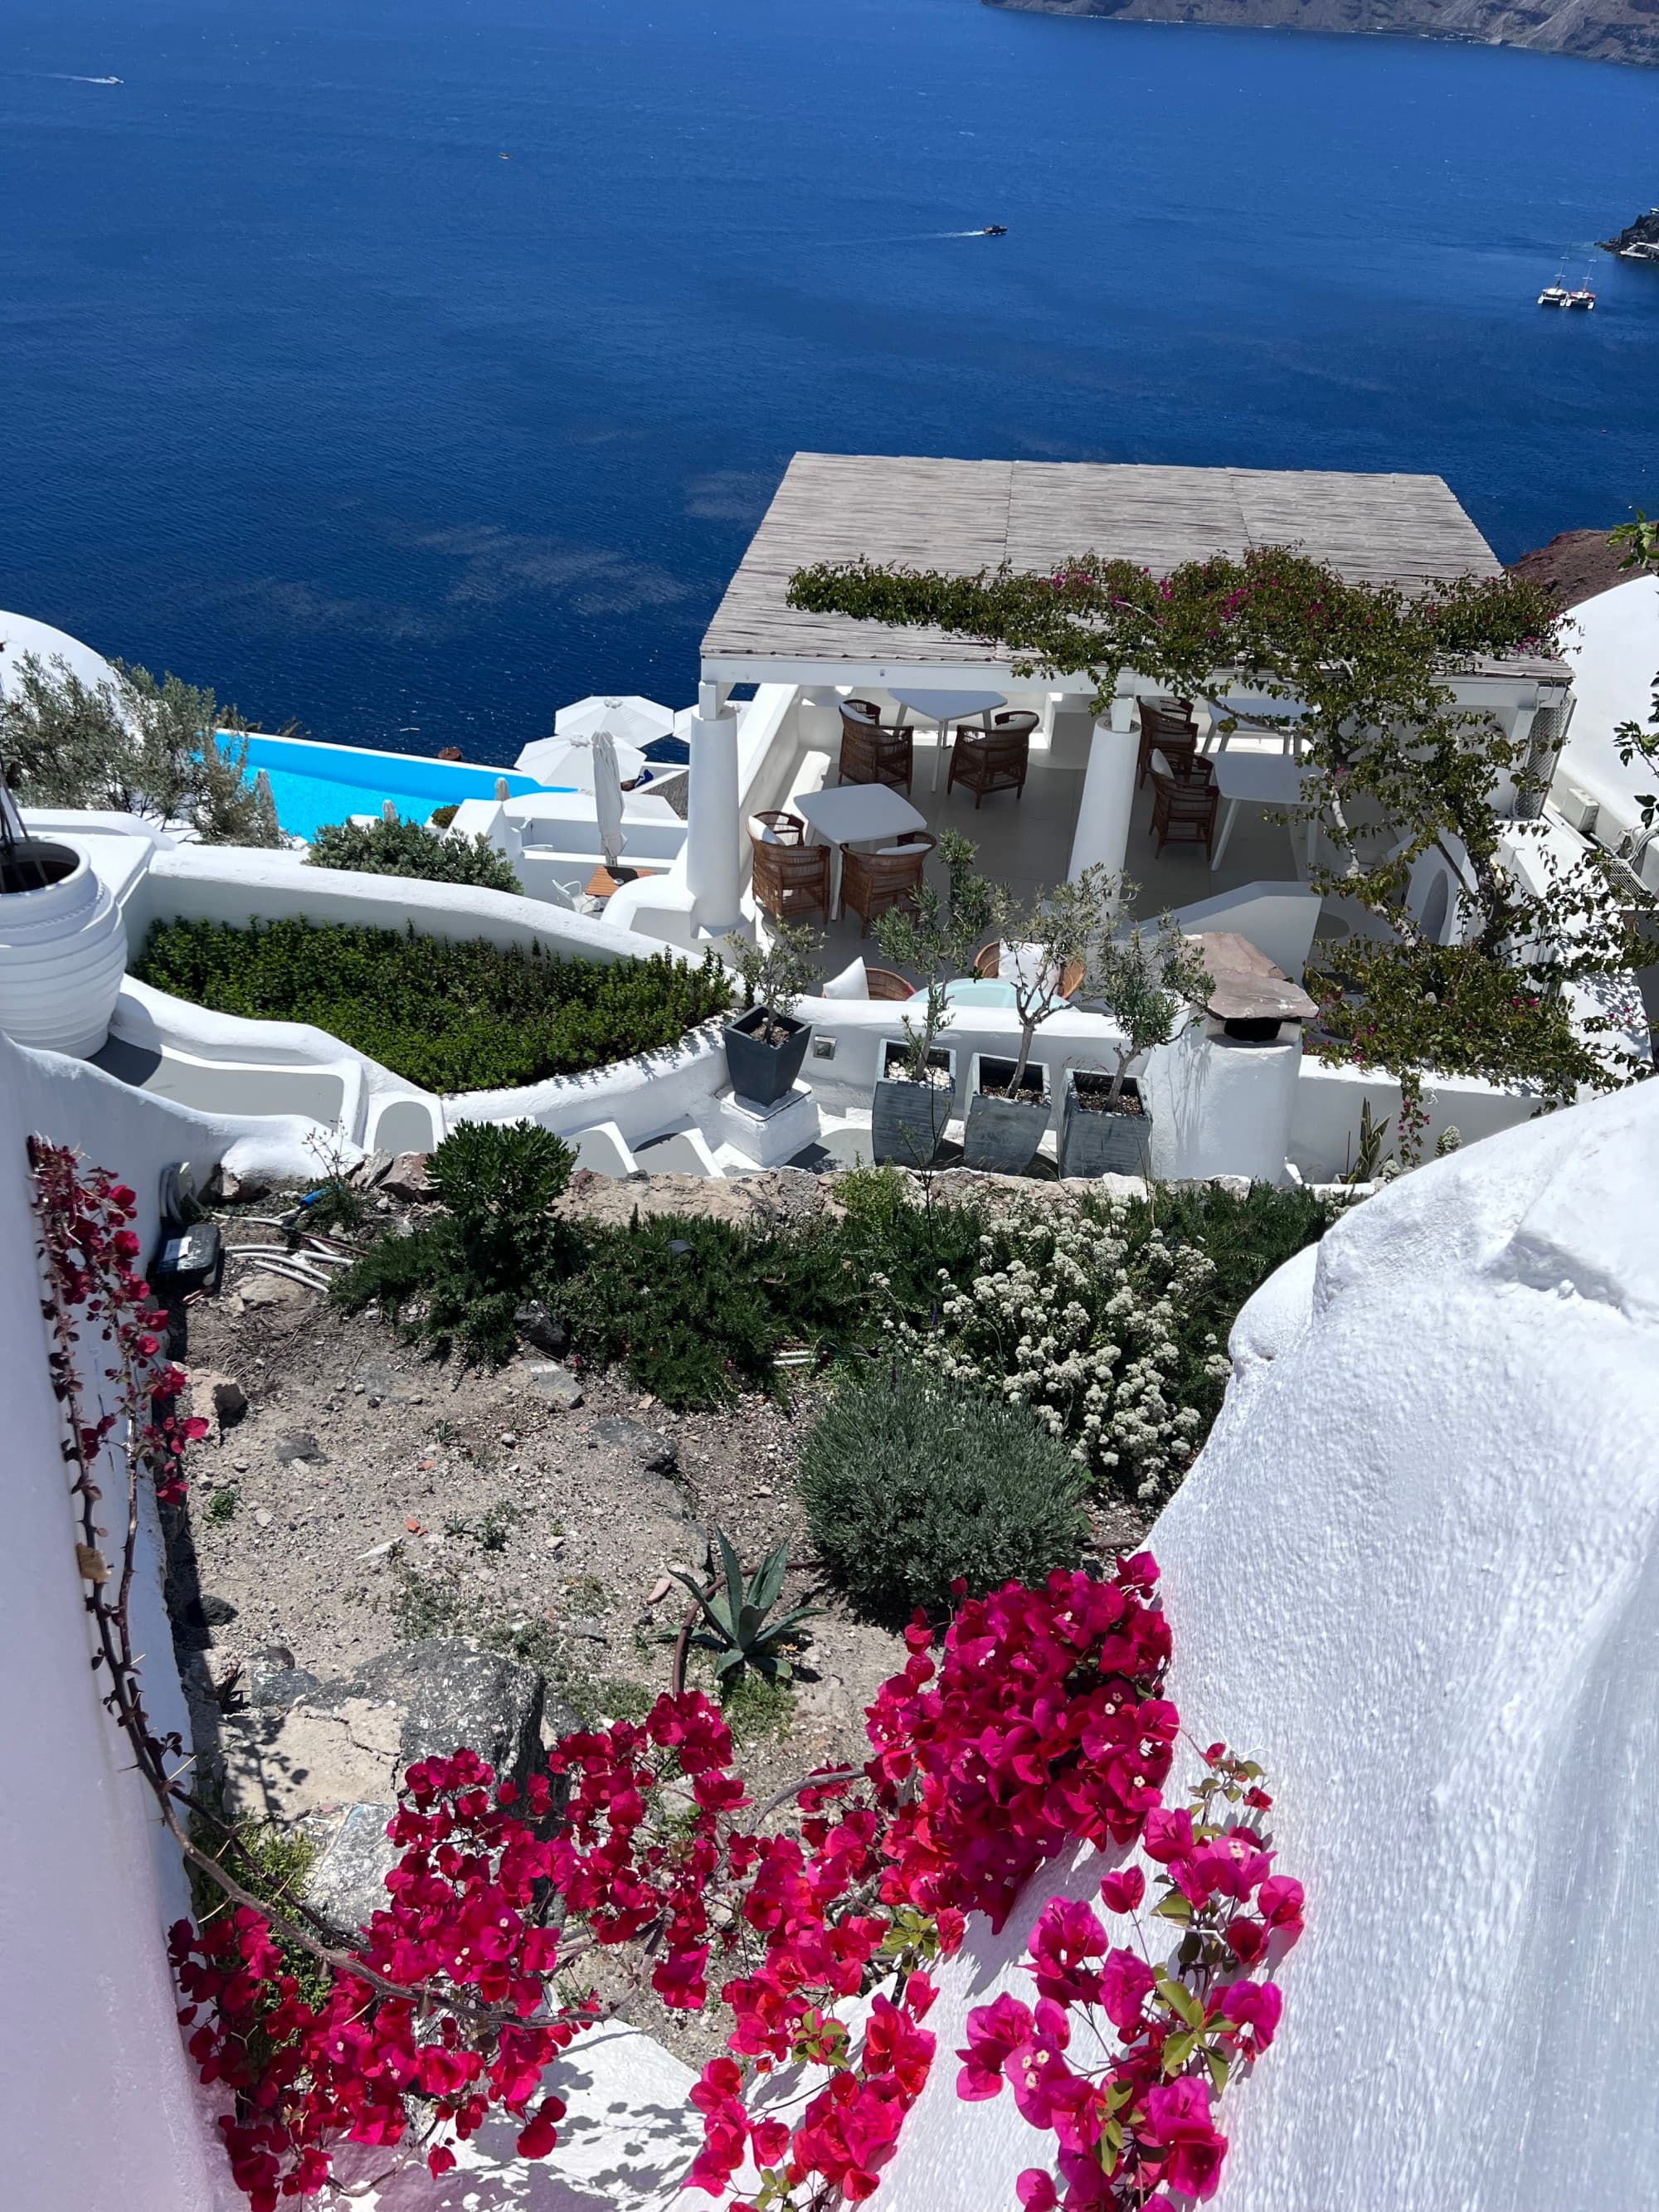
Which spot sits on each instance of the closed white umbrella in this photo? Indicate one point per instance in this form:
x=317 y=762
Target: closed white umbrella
x=608 y=798
x=629 y=717
x=568 y=762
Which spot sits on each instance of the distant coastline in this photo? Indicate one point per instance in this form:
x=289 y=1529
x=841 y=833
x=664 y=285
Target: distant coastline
x=1594 y=30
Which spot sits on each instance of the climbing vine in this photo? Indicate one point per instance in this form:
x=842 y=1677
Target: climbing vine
x=1365 y=674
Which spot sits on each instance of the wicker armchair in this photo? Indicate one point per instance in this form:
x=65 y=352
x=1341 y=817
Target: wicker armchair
x=777 y=827
x=1166 y=726
x=791 y=879
x=988 y=965
x=871 y=882
x=996 y=759
x=1184 y=806
x=882 y=983
x=871 y=750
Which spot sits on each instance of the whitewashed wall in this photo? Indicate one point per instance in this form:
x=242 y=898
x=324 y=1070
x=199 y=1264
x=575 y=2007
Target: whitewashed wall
x=97 y=2106
x=1416 y=1573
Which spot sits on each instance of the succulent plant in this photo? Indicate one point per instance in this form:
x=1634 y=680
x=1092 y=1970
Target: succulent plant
x=735 y=1623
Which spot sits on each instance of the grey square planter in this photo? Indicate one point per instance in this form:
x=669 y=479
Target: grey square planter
x=1003 y=1134
x=908 y=1119
x=761 y=1072
x=1095 y=1144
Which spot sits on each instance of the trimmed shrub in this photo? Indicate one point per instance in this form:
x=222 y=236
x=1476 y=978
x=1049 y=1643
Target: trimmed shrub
x=496 y=1245
x=910 y=1485
x=450 y=1016
x=409 y=849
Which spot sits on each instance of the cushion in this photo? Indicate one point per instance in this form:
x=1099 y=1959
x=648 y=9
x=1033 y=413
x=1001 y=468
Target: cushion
x=1161 y=764
x=904 y=852
x=852 y=983
x=1024 y=963
x=762 y=832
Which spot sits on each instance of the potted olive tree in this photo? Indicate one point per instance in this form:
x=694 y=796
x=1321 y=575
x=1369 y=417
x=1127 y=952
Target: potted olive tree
x=765 y=1045
x=1045 y=944
x=916 y=1087
x=1142 y=980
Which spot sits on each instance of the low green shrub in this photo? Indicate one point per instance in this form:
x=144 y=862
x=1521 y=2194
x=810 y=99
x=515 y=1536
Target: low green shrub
x=681 y=1303
x=910 y=1485
x=409 y=849
x=496 y=1246
x=450 y=1016
x=441 y=816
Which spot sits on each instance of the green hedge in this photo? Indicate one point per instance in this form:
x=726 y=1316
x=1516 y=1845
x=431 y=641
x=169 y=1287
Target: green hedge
x=452 y=1017
x=409 y=849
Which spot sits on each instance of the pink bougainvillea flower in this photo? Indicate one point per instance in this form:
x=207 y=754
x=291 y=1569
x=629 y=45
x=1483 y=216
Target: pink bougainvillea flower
x=1167 y=1835
x=1067 y=1935
x=1035 y=2191
x=1123 y=1891
x=1279 y=1901
x=1177 y=2131
x=1125 y=1984
x=994 y=2032
x=1253 y=2007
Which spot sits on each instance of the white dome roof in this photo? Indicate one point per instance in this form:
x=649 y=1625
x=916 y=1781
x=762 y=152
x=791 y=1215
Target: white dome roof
x=19 y=635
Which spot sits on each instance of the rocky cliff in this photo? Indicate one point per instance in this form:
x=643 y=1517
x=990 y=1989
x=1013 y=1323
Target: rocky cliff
x=1599 y=30
x=1640 y=238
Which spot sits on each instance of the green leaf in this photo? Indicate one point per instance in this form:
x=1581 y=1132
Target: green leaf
x=1181 y=2002
x=1219 y=2070
x=731 y=1657
x=1173 y=1907
x=1177 y=2051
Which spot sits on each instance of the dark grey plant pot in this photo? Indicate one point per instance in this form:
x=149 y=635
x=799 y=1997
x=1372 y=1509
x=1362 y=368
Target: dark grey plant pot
x=1092 y=1144
x=760 y=1072
x=908 y=1119
x=1002 y=1135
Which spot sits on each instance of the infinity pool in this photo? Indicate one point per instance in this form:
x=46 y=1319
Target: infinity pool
x=312 y=784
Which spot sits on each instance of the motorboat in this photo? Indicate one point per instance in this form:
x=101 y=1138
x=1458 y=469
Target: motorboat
x=994 y=230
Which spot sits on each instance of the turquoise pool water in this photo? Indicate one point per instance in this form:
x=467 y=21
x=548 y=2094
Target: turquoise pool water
x=312 y=784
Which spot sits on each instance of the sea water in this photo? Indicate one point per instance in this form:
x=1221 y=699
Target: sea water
x=411 y=366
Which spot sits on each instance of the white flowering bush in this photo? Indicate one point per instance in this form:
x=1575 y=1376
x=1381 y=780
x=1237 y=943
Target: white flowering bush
x=1088 y=1320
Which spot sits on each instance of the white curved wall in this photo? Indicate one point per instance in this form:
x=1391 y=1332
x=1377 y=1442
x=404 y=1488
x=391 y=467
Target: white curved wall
x=97 y=2102
x=1416 y=1573
x=1612 y=644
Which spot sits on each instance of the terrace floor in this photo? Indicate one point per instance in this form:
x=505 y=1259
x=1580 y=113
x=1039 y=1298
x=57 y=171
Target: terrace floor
x=1026 y=843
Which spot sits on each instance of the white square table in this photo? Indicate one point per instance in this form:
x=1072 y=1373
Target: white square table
x=945 y=707
x=1262 y=780
x=857 y=814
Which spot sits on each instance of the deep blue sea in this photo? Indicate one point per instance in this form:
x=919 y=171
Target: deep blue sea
x=410 y=367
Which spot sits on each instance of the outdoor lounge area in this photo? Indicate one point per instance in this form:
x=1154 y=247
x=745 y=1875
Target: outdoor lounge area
x=860 y=742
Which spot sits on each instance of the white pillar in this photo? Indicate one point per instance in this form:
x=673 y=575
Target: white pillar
x=1109 y=793
x=713 y=832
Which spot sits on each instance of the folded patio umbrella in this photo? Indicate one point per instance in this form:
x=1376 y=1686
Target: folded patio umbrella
x=630 y=718
x=608 y=798
x=568 y=762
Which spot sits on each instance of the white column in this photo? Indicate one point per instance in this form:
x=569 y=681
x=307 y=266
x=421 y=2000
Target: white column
x=713 y=832
x=1108 y=792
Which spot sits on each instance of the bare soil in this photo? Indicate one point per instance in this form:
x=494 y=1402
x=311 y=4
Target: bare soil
x=369 y=1494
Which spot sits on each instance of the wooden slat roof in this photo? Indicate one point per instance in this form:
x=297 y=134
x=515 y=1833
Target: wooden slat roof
x=962 y=516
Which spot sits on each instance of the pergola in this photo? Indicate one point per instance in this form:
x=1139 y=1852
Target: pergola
x=965 y=516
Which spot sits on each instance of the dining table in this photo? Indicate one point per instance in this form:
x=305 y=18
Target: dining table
x=857 y=814
x=944 y=707
x=1271 y=780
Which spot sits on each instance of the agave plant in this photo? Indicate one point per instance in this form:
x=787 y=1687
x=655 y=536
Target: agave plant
x=736 y=1627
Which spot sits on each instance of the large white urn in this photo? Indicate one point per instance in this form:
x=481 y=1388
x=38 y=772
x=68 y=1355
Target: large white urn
x=62 y=949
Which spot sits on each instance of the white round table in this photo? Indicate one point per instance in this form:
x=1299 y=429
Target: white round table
x=947 y=706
